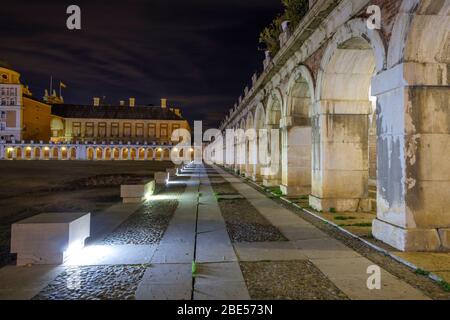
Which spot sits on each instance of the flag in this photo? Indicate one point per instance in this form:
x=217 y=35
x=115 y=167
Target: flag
x=62 y=85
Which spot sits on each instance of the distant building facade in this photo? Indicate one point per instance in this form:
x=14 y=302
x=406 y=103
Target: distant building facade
x=50 y=129
x=22 y=117
x=132 y=123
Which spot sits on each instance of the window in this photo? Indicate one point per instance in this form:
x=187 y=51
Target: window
x=152 y=130
x=115 y=129
x=139 y=130
x=102 y=129
x=127 y=130
x=11 y=119
x=76 y=129
x=163 y=130
x=89 y=131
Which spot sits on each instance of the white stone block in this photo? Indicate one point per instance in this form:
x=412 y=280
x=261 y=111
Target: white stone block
x=161 y=177
x=136 y=193
x=172 y=172
x=49 y=238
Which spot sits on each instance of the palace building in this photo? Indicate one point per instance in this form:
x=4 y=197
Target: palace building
x=22 y=117
x=25 y=118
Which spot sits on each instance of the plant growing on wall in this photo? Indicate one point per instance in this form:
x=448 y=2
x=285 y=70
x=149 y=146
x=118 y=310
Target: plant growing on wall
x=294 y=11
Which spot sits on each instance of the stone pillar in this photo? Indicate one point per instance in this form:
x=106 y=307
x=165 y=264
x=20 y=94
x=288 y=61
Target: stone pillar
x=340 y=155
x=271 y=172
x=413 y=148
x=81 y=153
x=296 y=158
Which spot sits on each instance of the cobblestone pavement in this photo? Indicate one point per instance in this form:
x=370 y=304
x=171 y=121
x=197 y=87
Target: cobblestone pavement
x=117 y=282
x=147 y=225
x=288 y=280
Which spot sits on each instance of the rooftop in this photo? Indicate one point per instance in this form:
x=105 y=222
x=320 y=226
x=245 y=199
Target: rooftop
x=114 y=112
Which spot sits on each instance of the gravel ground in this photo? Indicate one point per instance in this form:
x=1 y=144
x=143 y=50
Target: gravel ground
x=288 y=280
x=224 y=188
x=245 y=224
x=117 y=282
x=147 y=225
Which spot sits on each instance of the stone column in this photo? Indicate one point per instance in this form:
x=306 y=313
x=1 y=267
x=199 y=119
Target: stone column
x=340 y=155
x=413 y=148
x=271 y=172
x=296 y=157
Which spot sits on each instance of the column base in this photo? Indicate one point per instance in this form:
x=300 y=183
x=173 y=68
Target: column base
x=270 y=182
x=340 y=205
x=256 y=178
x=295 y=191
x=406 y=239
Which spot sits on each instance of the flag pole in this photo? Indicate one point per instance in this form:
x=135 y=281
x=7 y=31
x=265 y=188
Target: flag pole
x=51 y=85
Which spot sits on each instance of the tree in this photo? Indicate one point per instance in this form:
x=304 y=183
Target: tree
x=294 y=11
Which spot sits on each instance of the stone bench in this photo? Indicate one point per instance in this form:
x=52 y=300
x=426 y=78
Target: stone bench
x=172 y=172
x=136 y=193
x=161 y=178
x=49 y=238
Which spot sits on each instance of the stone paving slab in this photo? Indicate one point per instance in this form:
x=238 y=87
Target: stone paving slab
x=327 y=248
x=177 y=244
x=268 y=251
x=112 y=255
x=23 y=283
x=220 y=281
x=350 y=275
x=107 y=221
x=166 y=282
x=214 y=246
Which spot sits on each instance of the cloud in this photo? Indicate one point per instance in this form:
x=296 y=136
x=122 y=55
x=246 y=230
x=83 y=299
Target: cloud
x=198 y=53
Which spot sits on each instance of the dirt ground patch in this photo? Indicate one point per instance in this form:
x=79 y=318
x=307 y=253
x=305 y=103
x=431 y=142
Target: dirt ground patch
x=33 y=187
x=288 y=280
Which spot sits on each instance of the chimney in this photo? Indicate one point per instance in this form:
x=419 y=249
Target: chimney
x=122 y=103
x=163 y=103
x=96 y=101
x=132 y=102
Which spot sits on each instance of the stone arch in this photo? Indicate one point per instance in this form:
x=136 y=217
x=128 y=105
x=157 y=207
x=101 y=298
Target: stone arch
x=141 y=154
x=64 y=153
x=274 y=108
x=10 y=153
x=54 y=153
x=37 y=153
x=272 y=170
x=115 y=153
x=341 y=119
x=296 y=133
x=124 y=153
x=158 y=154
x=28 y=153
x=18 y=153
x=98 y=153
x=412 y=103
x=90 y=153
x=72 y=153
x=107 y=153
x=46 y=153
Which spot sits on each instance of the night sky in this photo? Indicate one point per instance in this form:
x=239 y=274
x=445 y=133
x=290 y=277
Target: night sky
x=200 y=54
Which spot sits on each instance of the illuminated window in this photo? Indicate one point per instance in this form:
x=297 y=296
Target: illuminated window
x=163 y=131
x=76 y=129
x=127 y=130
x=152 y=130
x=140 y=130
x=89 y=131
x=102 y=129
x=114 y=129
